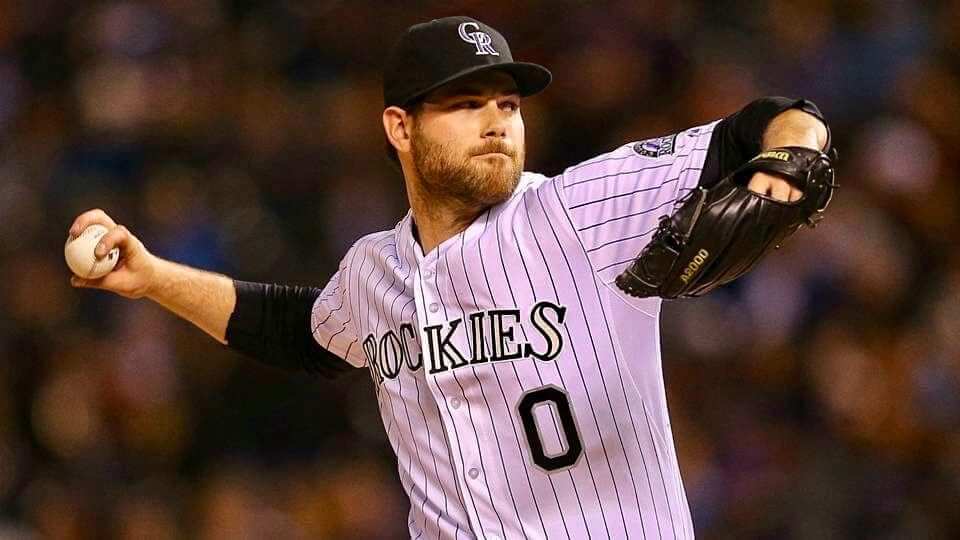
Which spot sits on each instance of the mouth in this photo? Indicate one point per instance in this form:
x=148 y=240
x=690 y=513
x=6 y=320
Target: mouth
x=486 y=154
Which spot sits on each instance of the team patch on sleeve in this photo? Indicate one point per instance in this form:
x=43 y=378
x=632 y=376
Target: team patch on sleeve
x=657 y=147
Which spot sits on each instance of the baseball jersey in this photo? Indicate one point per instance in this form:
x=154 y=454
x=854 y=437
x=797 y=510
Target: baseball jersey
x=520 y=389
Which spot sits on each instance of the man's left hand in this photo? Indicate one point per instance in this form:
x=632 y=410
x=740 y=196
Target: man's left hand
x=774 y=186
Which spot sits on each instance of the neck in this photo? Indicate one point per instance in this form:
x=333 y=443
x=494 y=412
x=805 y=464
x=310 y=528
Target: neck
x=438 y=220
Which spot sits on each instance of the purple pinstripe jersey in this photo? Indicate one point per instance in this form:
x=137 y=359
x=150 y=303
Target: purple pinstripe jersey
x=521 y=390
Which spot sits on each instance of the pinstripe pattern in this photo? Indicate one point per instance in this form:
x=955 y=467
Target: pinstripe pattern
x=519 y=302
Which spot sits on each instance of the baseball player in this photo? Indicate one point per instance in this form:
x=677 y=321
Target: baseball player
x=509 y=322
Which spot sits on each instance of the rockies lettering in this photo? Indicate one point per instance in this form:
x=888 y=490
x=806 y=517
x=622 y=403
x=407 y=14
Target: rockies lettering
x=387 y=354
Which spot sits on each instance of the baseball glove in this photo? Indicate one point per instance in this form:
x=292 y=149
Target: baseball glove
x=718 y=234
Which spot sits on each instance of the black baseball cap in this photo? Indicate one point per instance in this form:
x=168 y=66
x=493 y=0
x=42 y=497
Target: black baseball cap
x=434 y=53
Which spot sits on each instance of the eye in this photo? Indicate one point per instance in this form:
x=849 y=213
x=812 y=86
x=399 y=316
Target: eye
x=510 y=105
x=467 y=104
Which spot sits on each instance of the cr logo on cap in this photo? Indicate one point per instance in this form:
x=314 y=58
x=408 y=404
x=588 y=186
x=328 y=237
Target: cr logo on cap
x=477 y=37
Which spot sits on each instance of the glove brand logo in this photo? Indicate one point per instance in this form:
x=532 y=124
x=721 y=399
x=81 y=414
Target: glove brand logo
x=477 y=37
x=694 y=265
x=774 y=154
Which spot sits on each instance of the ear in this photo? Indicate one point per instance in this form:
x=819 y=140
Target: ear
x=396 y=125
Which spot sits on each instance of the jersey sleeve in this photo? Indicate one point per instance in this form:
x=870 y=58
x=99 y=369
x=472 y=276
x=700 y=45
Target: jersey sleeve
x=332 y=324
x=615 y=200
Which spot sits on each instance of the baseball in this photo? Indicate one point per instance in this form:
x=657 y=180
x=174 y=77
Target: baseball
x=79 y=253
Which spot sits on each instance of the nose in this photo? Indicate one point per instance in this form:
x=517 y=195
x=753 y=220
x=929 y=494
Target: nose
x=496 y=123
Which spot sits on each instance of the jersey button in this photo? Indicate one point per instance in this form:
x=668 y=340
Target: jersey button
x=474 y=473
x=434 y=307
x=455 y=402
x=428 y=273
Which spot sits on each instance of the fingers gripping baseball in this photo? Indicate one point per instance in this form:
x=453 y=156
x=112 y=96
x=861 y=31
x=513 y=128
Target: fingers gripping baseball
x=91 y=217
x=135 y=271
x=119 y=237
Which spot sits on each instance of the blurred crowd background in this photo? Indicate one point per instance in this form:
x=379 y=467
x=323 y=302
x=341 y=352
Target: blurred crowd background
x=817 y=398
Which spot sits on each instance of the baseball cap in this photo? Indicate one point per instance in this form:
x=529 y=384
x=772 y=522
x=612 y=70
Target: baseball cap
x=431 y=54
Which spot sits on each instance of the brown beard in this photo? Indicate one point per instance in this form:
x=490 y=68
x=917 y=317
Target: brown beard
x=452 y=178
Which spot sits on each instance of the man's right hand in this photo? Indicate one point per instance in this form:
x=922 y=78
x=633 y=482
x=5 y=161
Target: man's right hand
x=136 y=270
x=204 y=298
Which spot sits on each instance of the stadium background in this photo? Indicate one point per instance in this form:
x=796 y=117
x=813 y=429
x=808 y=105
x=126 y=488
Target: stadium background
x=819 y=397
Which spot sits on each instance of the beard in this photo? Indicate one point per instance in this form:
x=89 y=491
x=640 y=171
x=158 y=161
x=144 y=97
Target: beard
x=451 y=177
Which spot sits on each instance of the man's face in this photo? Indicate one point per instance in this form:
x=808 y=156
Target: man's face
x=467 y=140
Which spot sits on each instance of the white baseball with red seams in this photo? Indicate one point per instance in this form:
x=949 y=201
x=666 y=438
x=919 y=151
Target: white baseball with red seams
x=79 y=253
x=520 y=388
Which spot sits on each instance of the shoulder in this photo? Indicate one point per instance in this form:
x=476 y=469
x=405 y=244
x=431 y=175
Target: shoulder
x=368 y=246
x=530 y=183
x=528 y=189
x=376 y=240
x=373 y=239
x=530 y=180
x=535 y=194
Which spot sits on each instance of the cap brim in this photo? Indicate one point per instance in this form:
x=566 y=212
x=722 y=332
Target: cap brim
x=531 y=78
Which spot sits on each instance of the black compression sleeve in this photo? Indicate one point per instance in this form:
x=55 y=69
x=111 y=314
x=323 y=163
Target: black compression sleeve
x=271 y=323
x=737 y=138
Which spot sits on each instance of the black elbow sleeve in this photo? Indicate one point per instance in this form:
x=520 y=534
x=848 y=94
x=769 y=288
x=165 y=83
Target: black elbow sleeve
x=271 y=323
x=737 y=138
